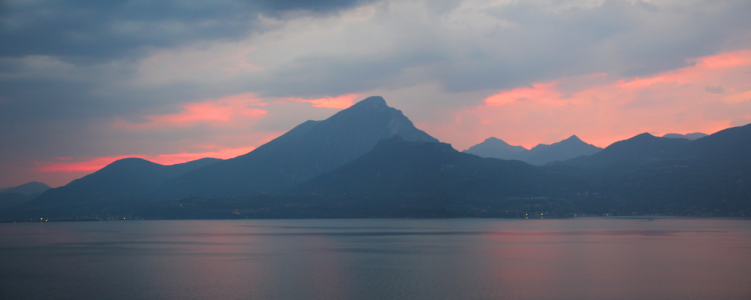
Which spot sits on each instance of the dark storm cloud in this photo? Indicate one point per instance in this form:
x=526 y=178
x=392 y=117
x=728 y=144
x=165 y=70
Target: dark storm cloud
x=60 y=59
x=272 y=6
x=85 y=30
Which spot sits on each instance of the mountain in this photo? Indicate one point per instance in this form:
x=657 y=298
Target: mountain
x=560 y=151
x=638 y=150
x=11 y=199
x=27 y=189
x=539 y=155
x=20 y=194
x=496 y=148
x=688 y=136
x=123 y=179
x=641 y=175
x=731 y=145
x=703 y=177
x=310 y=149
x=357 y=164
x=397 y=172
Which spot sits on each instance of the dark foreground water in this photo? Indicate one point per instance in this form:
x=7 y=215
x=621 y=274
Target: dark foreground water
x=378 y=259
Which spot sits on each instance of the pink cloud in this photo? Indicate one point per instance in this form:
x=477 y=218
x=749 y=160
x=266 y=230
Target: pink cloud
x=603 y=110
x=340 y=102
x=539 y=91
x=726 y=60
x=212 y=111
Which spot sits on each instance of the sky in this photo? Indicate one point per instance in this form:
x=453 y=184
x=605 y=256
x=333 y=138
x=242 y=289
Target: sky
x=84 y=83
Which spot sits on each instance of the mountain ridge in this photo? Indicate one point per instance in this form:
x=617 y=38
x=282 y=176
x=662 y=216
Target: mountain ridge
x=539 y=155
x=688 y=136
x=124 y=178
x=308 y=150
x=27 y=189
x=417 y=176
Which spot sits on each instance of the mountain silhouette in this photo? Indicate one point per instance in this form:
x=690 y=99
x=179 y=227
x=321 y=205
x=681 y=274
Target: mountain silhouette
x=123 y=179
x=11 y=199
x=642 y=175
x=27 y=189
x=704 y=176
x=560 y=151
x=370 y=161
x=19 y=194
x=496 y=148
x=539 y=155
x=310 y=149
x=688 y=136
x=731 y=145
x=398 y=169
x=638 y=150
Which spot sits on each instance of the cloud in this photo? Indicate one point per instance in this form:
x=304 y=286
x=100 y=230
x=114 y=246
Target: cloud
x=605 y=112
x=740 y=121
x=133 y=57
x=505 y=45
x=538 y=92
x=213 y=111
x=340 y=102
x=85 y=30
x=715 y=89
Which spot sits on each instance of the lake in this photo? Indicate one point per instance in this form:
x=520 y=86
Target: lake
x=580 y=258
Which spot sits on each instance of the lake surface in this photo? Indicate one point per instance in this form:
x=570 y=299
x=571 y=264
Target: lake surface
x=584 y=258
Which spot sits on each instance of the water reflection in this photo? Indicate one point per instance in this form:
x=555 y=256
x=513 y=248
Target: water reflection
x=378 y=259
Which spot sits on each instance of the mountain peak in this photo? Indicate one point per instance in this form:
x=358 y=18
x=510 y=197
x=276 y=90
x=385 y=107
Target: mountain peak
x=306 y=151
x=373 y=102
x=496 y=141
x=496 y=148
x=643 y=136
x=130 y=162
x=573 y=138
x=688 y=136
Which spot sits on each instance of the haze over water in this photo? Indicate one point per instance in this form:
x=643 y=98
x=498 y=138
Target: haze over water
x=586 y=258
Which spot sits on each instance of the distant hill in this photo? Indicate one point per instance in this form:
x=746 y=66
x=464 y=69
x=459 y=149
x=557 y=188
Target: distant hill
x=20 y=194
x=638 y=150
x=641 y=175
x=496 y=148
x=707 y=176
x=310 y=149
x=11 y=199
x=539 y=155
x=27 y=189
x=688 y=136
x=399 y=170
x=560 y=151
x=125 y=179
x=729 y=146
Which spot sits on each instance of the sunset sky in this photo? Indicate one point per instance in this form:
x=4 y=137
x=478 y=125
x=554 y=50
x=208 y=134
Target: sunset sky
x=84 y=83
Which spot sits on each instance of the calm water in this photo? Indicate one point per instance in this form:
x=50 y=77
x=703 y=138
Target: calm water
x=378 y=259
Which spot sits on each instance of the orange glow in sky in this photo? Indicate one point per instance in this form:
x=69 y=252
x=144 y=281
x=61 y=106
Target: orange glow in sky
x=208 y=111
x=91 y=164
x=710 y=94
x=340 y=102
